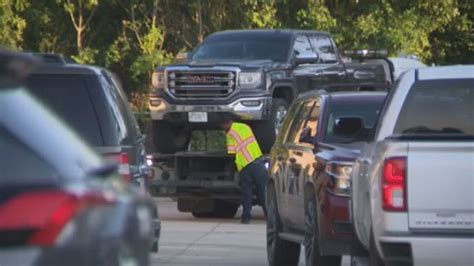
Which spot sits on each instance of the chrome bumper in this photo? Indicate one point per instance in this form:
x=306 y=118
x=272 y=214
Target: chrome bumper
x=431 y=249
x=159 y=108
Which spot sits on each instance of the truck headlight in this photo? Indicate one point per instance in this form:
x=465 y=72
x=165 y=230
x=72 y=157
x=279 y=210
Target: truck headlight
x=250 y=80
x=158 y=80
x=340 y=174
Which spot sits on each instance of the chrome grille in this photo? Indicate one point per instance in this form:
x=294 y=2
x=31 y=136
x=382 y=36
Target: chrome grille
x=193 y=84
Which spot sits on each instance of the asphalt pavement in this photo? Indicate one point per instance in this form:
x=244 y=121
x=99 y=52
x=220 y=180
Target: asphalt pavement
x=186 y=240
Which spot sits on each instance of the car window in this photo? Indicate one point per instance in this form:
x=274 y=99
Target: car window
x=68 y=96
x=438 y=107
x=324 y=47
x=287 y=122
x=123 y=104
x=20 y=164
x=302 y=45
x=114 y=102
x=299 y=122
x=387 y=102
x=312 y=122
x=368 y=109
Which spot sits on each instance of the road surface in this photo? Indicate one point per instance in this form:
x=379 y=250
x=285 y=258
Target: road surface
x=187 y=241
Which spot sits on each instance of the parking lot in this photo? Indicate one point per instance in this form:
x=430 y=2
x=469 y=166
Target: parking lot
x=209 y=133
x=186 y=240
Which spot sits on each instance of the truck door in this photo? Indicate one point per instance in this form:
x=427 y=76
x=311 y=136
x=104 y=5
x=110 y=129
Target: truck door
x=299 y=164
x=330 y=69
x=280 y=156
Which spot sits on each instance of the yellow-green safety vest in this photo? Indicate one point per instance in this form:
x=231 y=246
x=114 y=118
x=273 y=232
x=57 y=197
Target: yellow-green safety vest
x=242 y=143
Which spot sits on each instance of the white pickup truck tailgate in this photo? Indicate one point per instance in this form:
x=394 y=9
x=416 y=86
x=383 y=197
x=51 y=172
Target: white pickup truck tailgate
x=440 y=183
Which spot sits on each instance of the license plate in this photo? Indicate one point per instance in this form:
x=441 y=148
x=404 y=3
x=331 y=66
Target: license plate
x=197 y=117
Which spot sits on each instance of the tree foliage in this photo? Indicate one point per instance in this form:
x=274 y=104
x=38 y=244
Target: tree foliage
x=12 y=24
x=131 y=37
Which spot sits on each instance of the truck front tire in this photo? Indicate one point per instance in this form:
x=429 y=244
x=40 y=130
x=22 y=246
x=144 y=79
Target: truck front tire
x=266 y=131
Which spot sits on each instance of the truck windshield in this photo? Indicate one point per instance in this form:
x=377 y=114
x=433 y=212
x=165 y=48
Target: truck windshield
x=438 y=107
x=274 y=47
x=368 y=109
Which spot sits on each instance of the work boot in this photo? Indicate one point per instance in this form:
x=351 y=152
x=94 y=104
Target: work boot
x=245 y=221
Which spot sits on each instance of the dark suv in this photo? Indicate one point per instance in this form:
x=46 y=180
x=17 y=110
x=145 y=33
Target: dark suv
x=309 y=185
x=91 y=101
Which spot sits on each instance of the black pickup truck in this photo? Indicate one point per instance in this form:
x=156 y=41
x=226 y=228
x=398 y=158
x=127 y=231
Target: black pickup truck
x=254 y=74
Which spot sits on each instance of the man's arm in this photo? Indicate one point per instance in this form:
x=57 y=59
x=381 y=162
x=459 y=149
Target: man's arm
x=231 y=144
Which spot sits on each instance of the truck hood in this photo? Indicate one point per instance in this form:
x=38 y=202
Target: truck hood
x=242 y=64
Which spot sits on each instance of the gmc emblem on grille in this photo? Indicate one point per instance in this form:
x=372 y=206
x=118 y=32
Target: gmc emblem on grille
x=199 y=79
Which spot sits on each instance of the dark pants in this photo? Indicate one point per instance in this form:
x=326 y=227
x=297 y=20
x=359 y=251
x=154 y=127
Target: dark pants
x=254 y=174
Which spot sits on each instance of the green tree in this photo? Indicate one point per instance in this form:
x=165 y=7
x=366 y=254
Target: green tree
x=454 y=42
x=261 y=14
x=316 y=16
x=81 y=13
x=399 y=26
x=12 y=24
x=140 y=43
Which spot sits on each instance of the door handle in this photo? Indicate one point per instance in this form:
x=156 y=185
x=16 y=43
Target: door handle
x=361 y=74
x=335 y=73
x=317 y=73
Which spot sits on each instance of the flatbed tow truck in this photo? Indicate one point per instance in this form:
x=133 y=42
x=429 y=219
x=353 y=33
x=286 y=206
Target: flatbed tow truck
x=203 y=183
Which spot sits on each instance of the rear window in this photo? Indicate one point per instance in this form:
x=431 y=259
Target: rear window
x=438 y=107
x=20 y=164
x=368 y=109
x=68 y=96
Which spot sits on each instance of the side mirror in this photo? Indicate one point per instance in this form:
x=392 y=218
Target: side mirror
x=305 y=136
x=306 y=58
x=348 y=126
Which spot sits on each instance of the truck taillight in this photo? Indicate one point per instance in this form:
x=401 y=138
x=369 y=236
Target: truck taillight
x=123 y=165
x=394 y=184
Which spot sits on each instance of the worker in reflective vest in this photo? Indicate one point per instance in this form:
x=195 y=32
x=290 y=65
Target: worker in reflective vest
x=250 y=165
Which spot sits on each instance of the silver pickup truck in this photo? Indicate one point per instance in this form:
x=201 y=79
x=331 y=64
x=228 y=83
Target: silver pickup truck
x=413 y=187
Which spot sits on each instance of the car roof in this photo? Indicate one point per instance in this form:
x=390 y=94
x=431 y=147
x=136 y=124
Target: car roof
x=67 y=68
x=284 y=32
x=342 y=95
x=446 y=72
x=357 y=95
x=401 y=65
x=351 y=93
x=14 y=67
